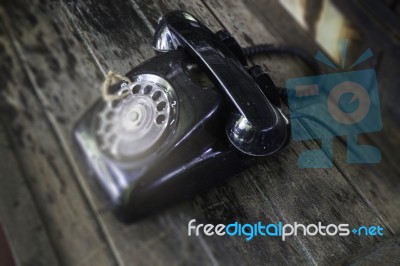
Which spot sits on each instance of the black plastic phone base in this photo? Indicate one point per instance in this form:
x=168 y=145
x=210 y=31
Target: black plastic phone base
x=192 y=116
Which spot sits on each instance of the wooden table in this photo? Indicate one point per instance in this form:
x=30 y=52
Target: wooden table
x=53 y=58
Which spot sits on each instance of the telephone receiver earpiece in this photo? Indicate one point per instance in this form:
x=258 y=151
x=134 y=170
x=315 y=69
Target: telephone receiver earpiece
x=255 y=126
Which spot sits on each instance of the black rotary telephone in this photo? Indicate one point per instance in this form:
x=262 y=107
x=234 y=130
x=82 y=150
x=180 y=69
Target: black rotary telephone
x=189 y=117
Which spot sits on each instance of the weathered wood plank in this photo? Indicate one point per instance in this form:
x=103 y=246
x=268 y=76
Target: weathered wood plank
x=384 y=253
x=72 y=227
x=344 y=183
x=116 y=36
x=66 y=84
x=178 y=217
x=173 y=221
x=18 y=214
x=377 y=183
x=330 y=197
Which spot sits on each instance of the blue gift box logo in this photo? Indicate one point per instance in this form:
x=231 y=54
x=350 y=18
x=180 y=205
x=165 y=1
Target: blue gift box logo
x=339 y=104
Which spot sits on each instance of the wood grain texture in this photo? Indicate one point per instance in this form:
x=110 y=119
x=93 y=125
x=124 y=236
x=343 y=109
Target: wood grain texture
x=65 y=93
x=172 y=240
x=150 y=11
x=377 y=183
x=384 y=253
x=69 y=221
x=326 y=186
x=60 y=52
x=19 y=217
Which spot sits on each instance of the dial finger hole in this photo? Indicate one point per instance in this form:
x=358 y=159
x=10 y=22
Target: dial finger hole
x=115 y=103
x=136 y=89
x=112 y=138
x=147 y=89
x=107 y=128
x=156 y=95
x=161 y=106
x=160 y=119
x=109 y=114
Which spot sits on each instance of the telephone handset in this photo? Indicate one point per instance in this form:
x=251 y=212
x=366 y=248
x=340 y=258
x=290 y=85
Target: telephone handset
x=255 y=127
x=191 y=116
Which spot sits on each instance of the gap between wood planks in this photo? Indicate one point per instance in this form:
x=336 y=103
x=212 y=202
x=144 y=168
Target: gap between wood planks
x=59 y=136
x=336 y=164
x=65 y=146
